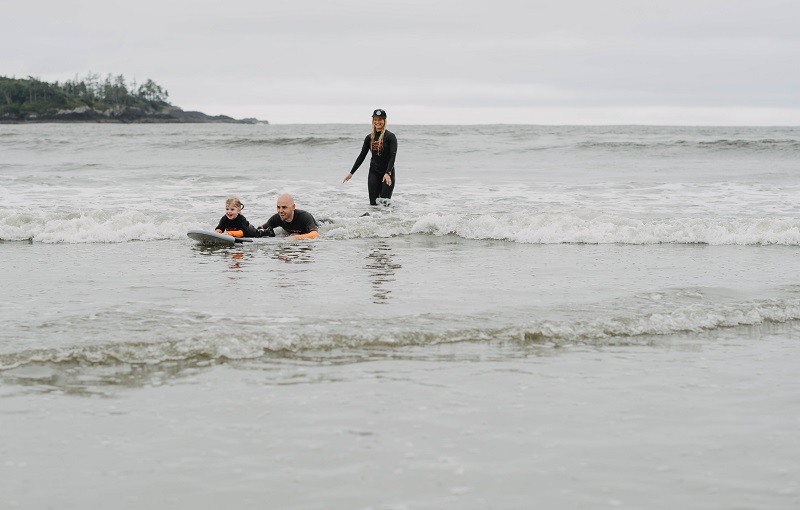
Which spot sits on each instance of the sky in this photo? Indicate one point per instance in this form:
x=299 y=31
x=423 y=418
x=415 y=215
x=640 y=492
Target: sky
x=567 y=62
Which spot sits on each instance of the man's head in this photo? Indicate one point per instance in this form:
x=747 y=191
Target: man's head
x=286 y=207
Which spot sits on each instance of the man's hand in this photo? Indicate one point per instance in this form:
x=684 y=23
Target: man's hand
x=265 y=232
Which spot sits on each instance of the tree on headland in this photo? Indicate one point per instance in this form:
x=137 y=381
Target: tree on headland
x=151 y=91
x=94 y=99
x=31 y=97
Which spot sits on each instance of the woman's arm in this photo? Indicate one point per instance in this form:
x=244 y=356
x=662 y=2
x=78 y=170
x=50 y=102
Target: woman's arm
x=359 y=160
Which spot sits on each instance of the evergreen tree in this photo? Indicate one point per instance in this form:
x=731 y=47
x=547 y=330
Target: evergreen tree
x=23 y=97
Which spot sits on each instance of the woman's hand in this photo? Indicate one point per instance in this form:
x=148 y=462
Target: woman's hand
x=347 y=177
x=387 y=179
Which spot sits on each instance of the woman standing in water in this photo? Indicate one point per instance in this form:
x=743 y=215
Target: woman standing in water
x=383 y=145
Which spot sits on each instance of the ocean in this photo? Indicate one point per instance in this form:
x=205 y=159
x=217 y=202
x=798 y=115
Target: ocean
x=544 y=317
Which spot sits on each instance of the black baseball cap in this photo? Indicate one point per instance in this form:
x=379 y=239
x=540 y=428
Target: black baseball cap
x=379 y=113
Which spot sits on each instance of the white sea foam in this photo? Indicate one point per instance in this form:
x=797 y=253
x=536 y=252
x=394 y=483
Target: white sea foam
x=693 y=318
x=254 y=338
x=123 y=226
x=92 y=227
x=568 y=228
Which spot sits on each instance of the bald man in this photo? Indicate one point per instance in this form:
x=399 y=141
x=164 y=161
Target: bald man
x=300 y=224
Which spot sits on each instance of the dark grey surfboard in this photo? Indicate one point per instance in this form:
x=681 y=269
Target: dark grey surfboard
x=211 y=238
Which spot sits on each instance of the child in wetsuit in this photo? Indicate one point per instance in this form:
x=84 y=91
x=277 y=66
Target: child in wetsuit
x=234 y=223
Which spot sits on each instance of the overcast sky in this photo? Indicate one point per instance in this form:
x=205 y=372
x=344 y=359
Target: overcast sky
x=690 y=62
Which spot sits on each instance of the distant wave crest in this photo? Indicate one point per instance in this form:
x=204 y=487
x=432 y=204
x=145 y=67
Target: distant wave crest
x=724 y=144
x=261 y=142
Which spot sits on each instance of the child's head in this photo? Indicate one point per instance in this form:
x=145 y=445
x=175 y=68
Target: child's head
x=233 y=206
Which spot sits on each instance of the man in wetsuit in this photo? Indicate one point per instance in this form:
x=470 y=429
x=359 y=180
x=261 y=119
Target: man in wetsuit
x=294 y=221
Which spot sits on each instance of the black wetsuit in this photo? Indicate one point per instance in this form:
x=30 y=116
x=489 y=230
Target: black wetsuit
x=302 y=223
x=238 y=223
x=382 y=162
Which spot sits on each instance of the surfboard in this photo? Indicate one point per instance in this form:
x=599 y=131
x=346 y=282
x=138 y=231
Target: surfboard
x=211 y=238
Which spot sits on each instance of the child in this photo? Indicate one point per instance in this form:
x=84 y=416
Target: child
x=234 y=223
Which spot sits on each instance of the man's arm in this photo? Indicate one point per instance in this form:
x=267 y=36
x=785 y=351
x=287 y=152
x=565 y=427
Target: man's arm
x=311 y=235
x=272 y=222
x=309 y=226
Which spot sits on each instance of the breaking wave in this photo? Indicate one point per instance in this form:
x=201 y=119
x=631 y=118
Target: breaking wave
x=105 y=227
x=193 y=337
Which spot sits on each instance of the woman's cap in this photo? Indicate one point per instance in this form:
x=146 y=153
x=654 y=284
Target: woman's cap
x=379 y=113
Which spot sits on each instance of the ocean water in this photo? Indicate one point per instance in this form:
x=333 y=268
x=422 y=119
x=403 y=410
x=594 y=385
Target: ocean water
x=545 y=317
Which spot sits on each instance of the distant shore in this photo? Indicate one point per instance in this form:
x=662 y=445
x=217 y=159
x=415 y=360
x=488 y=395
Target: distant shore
x=128 y=115
x=92 y=99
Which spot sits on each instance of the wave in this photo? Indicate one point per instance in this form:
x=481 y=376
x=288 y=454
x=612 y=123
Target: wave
x=306 y=140
x=117 y=227
x=93 y=227
x=770 y=144
x=723 y=144
x=185 y=337
x=568 y=228
x=527 y=142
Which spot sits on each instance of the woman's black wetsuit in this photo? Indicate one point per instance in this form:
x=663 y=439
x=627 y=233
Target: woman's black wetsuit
x=382 y=162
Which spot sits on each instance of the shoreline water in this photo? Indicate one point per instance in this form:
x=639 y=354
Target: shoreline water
x=387 y=294
x=475 y=428
x=555 y=317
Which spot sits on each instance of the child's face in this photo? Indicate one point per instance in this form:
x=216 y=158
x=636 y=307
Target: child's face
x=232 y=211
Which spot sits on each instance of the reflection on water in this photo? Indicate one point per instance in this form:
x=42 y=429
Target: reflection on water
x=285 y=252
x=284 y=261
x=381 y=267
x=294 y=253
x=236 y=261
x=293 y=256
